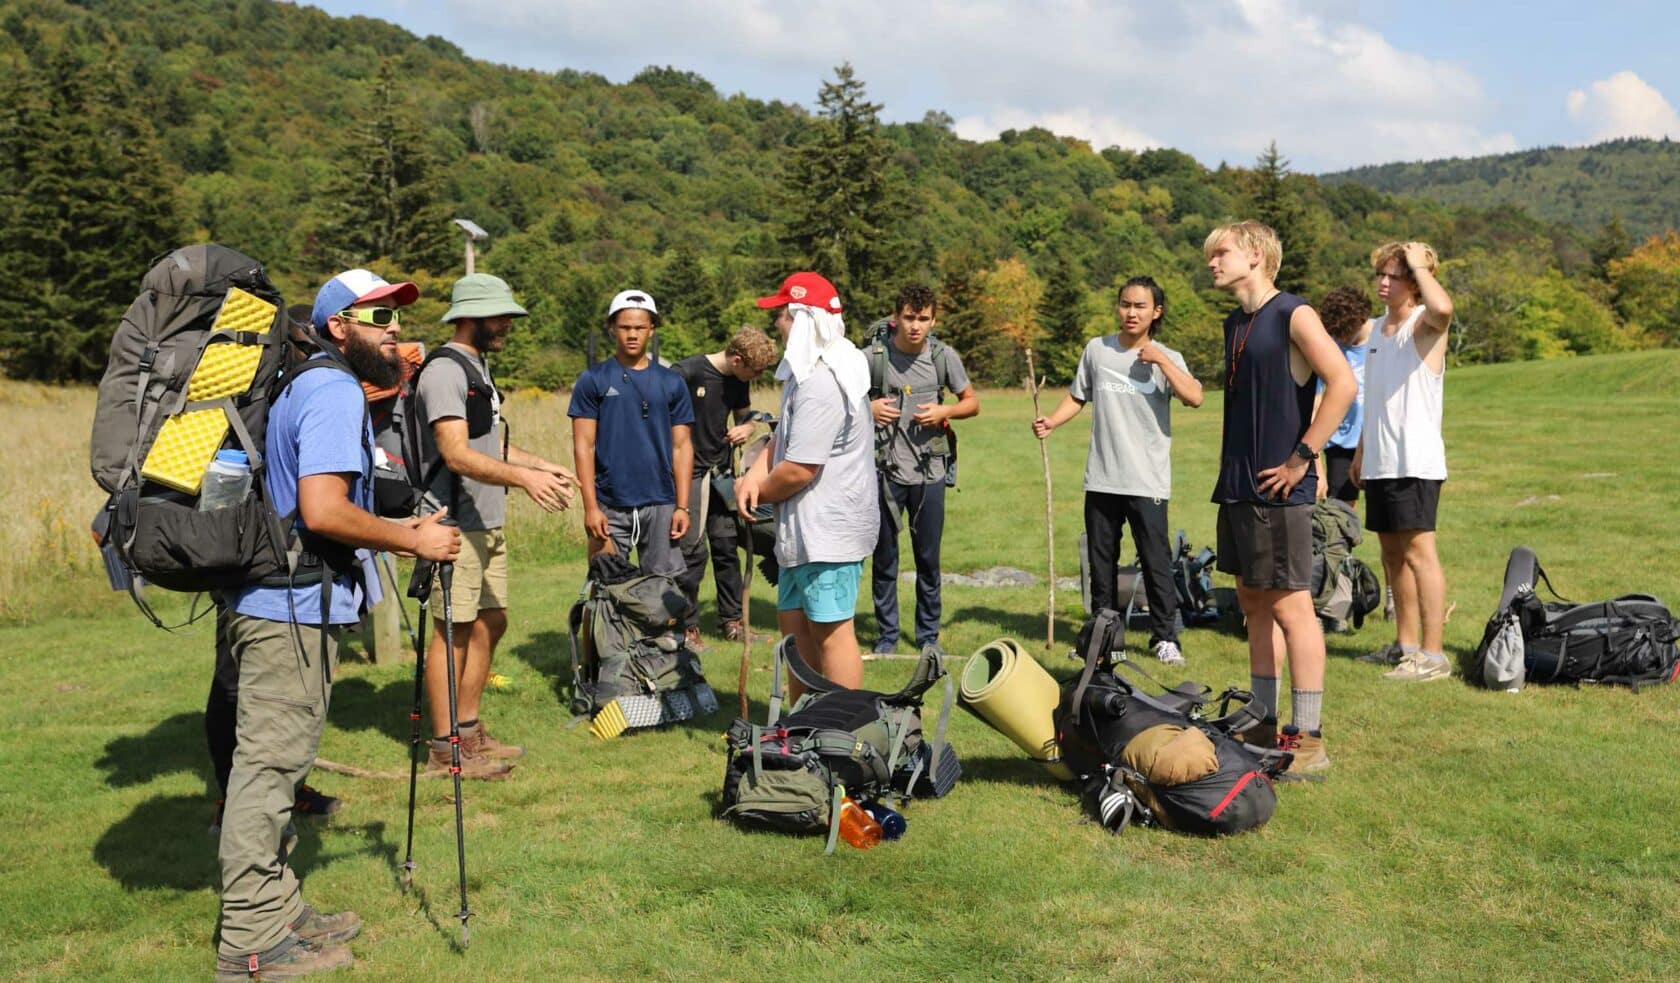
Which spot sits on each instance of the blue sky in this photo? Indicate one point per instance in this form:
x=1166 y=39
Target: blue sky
x=1336 y=83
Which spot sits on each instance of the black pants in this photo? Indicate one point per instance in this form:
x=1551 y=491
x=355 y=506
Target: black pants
x=221 y=707
x=925 y=505
x=1104 y=516
x=719 y=532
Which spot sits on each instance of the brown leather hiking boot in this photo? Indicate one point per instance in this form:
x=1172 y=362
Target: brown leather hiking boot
x=734 y=630
x=475 y=740
x=693 y=642
x=472 y=765
x=290 y=959
x=312 y=926
x=1311 y=762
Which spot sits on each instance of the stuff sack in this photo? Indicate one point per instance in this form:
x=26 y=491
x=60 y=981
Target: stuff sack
x=630 y=668
x=1344 y=588
x=1158 y=759
x=792 y=773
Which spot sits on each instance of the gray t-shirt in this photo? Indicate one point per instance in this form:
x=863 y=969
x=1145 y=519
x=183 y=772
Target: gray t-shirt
x=441 y=394
x=833 y=519
x=908 y=460
x=1131 y=419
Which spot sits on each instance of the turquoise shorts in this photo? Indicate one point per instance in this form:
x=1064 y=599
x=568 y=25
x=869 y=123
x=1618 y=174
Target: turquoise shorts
x=826 y=592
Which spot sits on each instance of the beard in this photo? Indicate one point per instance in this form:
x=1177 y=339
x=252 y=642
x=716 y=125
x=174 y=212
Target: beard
x=486 y=338
x=371 y=365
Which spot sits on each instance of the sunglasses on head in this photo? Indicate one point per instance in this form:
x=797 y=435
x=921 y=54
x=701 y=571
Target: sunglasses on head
x=378 y=317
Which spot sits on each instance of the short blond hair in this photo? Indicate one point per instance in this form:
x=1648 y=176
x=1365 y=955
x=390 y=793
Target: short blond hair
x=754 y=348
x=1249 y=236
x=1397 y=250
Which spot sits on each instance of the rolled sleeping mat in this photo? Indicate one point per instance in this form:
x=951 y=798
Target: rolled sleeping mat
x=1012 y=693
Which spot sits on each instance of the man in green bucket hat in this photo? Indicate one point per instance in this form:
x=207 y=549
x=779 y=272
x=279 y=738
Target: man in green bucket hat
x=471 y=465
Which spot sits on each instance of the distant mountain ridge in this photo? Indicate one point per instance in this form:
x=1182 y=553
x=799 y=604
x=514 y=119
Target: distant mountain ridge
x=1638 y=180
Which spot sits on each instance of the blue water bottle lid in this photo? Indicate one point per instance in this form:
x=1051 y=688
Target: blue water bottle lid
x=233 y=457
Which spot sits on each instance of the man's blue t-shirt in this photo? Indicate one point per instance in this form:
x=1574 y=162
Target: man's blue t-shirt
x=634 y=411
x=1347 y=434
x=317 y=426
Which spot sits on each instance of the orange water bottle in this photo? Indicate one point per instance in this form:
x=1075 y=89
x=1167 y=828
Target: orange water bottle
x=858 y=827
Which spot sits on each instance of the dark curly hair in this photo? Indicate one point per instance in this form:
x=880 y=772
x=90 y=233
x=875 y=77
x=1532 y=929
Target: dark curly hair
x=1344 y=311
x=915 y=297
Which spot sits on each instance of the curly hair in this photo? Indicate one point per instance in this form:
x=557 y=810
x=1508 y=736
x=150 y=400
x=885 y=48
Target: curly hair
x=1381 y=256
x=916 y=297
x=755 y=349
x=1344 y=311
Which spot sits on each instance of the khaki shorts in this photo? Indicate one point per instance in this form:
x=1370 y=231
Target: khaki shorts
x=481 y=577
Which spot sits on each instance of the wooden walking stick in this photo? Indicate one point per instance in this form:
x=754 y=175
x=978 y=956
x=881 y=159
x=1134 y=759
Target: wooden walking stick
x=745 y=531
x=1049 y=515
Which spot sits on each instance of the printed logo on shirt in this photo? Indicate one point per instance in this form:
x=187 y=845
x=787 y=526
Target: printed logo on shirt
x=612 y=391
x=700 y=392
x=1126 y=384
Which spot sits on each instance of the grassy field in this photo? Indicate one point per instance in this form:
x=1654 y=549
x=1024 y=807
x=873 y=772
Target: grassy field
x=1462 y=834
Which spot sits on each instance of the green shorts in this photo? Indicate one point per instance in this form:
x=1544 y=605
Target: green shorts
x=826 y=592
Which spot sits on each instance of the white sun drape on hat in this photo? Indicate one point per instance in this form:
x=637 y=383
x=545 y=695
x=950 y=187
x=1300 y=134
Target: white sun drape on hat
x=820 y=336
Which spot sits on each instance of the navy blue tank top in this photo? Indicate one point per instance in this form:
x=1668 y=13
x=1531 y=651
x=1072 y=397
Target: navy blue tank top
x=1265 y=411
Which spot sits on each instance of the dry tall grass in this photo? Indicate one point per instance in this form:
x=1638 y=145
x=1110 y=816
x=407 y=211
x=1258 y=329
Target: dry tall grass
x=51 y=564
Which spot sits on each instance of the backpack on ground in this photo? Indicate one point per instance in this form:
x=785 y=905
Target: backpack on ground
x=1344 y=588
x=194 y=365
x=1192 y=576
x=630 y=668
x=1157 y=759
x=1630 y=640
x=792 y=773
x=944 y=443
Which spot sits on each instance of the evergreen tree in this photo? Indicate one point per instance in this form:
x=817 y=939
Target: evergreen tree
x=86 y=202
x=688 y=299
x=1610 y=244
x=842 y=198
x=1060 y=315
x=1276 y=204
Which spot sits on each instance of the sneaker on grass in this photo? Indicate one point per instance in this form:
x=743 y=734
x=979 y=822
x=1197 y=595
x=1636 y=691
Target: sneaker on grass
x=1168 y=652
x=1388 y=655
x=1419 y=668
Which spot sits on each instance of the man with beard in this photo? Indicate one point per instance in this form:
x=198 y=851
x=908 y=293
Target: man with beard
x=284 y=639
x=462 y=451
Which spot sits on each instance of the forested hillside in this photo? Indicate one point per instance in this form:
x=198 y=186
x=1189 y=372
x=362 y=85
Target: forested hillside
x=314 y=143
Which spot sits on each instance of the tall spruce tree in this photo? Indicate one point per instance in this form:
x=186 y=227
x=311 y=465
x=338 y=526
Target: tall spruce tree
x=1277 y=204
x=1059 y=312
x=841 y=197
x=86 y=202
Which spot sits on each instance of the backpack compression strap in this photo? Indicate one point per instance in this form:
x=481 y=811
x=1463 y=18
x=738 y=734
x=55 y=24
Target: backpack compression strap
x=1107 y=622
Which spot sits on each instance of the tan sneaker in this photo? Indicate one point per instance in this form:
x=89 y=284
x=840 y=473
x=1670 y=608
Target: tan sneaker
x=1311 y=762
x=1419 y=668
x=476 y=741
x=472 y=766
x=290 y=959
x=312 y=926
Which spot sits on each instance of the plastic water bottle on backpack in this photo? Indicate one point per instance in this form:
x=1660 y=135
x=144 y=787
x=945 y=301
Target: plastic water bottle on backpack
x=857 y=827
x=226 y=481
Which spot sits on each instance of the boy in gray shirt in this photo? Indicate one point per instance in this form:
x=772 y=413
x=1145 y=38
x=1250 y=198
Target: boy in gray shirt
x=1131 y=379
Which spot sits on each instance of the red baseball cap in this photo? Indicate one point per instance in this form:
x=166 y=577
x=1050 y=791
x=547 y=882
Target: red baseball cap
x=810 y=289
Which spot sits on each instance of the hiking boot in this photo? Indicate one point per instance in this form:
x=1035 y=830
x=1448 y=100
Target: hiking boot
x=1168 y=653
x=1262 y=735
x=1311 y=762
x=1419 y=668
x=733 y=630
x=311 y=802
x=693 y=642
x=1388 y=655
x=472 y=766
x=475 y=740
x=292 y=958
x=312 y=926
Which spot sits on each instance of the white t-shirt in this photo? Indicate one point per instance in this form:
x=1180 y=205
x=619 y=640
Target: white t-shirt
x=834 y=519
x=1131 y=419
x=1402 y=427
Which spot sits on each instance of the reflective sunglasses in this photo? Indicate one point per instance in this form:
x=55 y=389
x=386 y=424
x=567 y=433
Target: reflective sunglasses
x=378 y=317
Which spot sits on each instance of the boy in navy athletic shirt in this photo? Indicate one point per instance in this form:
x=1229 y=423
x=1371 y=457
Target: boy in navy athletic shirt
x=631 y=419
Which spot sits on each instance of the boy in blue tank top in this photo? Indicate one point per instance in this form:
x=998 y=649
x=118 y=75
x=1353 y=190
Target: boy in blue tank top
x=1268 y=480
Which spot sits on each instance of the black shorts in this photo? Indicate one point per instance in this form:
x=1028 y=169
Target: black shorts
x=1268 y=547
x=1338 y=467
x=1401 y=504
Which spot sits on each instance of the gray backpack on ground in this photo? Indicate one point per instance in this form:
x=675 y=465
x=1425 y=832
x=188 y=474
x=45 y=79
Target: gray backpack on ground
x=1344 y=588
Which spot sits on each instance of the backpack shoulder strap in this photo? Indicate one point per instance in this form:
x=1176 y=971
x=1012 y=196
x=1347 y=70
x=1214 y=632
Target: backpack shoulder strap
x=940 y=353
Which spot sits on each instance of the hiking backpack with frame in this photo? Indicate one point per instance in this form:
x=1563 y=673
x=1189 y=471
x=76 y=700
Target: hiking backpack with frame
x=1158 y=759
x=791 y=774
x=1192 y=577
x=1629 y=640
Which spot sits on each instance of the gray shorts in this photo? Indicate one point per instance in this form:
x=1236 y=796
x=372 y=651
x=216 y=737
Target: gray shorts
x=1267 y=547
x=647 y=530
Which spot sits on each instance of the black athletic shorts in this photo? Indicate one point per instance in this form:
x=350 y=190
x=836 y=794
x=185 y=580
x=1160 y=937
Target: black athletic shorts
x=1338 y=467
x=1401 y=504
x=1268 y=547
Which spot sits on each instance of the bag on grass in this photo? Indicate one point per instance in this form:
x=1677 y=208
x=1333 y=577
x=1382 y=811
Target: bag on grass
x=791 y=774
x=1157 y=759
x=1344 y=588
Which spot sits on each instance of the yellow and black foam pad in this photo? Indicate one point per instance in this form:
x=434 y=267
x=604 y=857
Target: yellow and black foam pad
x=226 y=367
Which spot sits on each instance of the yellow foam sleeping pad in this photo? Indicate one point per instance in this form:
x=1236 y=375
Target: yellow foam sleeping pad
x=188 y=441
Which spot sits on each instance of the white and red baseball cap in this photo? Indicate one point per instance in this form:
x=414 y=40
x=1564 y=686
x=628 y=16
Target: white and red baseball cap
x=354 y=287
x=810 y=289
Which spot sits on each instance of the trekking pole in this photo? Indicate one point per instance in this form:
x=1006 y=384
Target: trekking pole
x=746 y=618
x=446 y=580
x=414 y=738
x=1049 y=516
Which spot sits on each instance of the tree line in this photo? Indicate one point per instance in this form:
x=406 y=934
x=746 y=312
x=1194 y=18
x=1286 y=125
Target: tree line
x=314 y=143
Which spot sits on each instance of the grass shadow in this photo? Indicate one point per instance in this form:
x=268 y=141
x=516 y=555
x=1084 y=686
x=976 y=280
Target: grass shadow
x=357 y=704
x=174 y=744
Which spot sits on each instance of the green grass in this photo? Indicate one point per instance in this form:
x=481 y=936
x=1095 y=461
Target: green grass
x=1462 y=834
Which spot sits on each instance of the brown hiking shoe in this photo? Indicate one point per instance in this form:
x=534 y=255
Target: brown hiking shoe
x=290 y=959
x=734 y=630
x=475 y=740
x=1311 y=762
x=472 y=766
x=1262 y=735
x=312 y=926
x=693 y=642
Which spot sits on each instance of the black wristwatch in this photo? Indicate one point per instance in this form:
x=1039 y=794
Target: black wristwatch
x=1304 y=452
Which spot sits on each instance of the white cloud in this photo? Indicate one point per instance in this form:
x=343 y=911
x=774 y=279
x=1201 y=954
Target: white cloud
x=1218 y=78
x=1623 y=105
